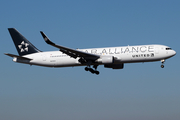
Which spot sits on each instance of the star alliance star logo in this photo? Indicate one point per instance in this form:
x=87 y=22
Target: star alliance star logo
x=23 y=46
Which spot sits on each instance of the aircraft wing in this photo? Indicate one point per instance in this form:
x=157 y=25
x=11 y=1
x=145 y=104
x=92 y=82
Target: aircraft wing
x=71 y=52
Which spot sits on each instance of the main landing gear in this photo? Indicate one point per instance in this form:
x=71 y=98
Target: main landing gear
x=162 y=61
x=93 y=71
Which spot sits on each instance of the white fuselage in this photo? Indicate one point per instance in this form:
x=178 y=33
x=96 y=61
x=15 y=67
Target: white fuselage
x=125 y=54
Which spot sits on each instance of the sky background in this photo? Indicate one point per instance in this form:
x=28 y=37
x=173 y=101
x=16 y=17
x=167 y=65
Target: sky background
x=140 y=91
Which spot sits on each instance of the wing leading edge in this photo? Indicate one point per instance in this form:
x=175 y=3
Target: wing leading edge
x=71 y=52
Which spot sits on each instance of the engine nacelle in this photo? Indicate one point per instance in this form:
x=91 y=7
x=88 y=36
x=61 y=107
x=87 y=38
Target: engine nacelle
x=106 y=59
x=114 y=66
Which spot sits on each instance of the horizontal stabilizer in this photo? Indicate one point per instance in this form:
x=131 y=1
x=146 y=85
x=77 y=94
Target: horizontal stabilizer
x=16 y=56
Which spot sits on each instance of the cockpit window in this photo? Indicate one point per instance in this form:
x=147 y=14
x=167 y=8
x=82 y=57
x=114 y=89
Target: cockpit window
x=168 y=49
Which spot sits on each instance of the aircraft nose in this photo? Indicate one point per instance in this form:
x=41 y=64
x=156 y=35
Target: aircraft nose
x=174 y=52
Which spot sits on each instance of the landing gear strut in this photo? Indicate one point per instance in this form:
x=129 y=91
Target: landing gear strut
x=92 y=70
x=88 y=68
x=162 y=61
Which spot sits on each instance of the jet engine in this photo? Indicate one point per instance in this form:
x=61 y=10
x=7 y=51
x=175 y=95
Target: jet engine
x=106 y=59
x=114 y=66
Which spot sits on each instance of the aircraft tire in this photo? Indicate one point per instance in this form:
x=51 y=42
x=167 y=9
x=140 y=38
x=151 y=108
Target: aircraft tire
x=97 y=72
x=86 y=69
x=91 y=70
x=162 y=66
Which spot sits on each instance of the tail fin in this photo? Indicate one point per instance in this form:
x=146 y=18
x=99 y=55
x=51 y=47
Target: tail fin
x=23 y=46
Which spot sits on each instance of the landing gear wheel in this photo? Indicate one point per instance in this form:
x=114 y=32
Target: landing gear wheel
x=97 y=72
x=86 y=69
x=93 y=71
x=162 y=66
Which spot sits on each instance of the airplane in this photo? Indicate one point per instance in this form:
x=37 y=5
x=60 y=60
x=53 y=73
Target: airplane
x=110 y=57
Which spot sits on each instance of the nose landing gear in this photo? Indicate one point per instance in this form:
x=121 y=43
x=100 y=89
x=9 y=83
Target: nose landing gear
x=162 y=61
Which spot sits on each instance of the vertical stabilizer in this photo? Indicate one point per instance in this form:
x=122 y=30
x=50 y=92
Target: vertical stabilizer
x=23 y=46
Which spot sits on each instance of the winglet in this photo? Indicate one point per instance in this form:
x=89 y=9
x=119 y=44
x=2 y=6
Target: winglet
x=46 y=39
